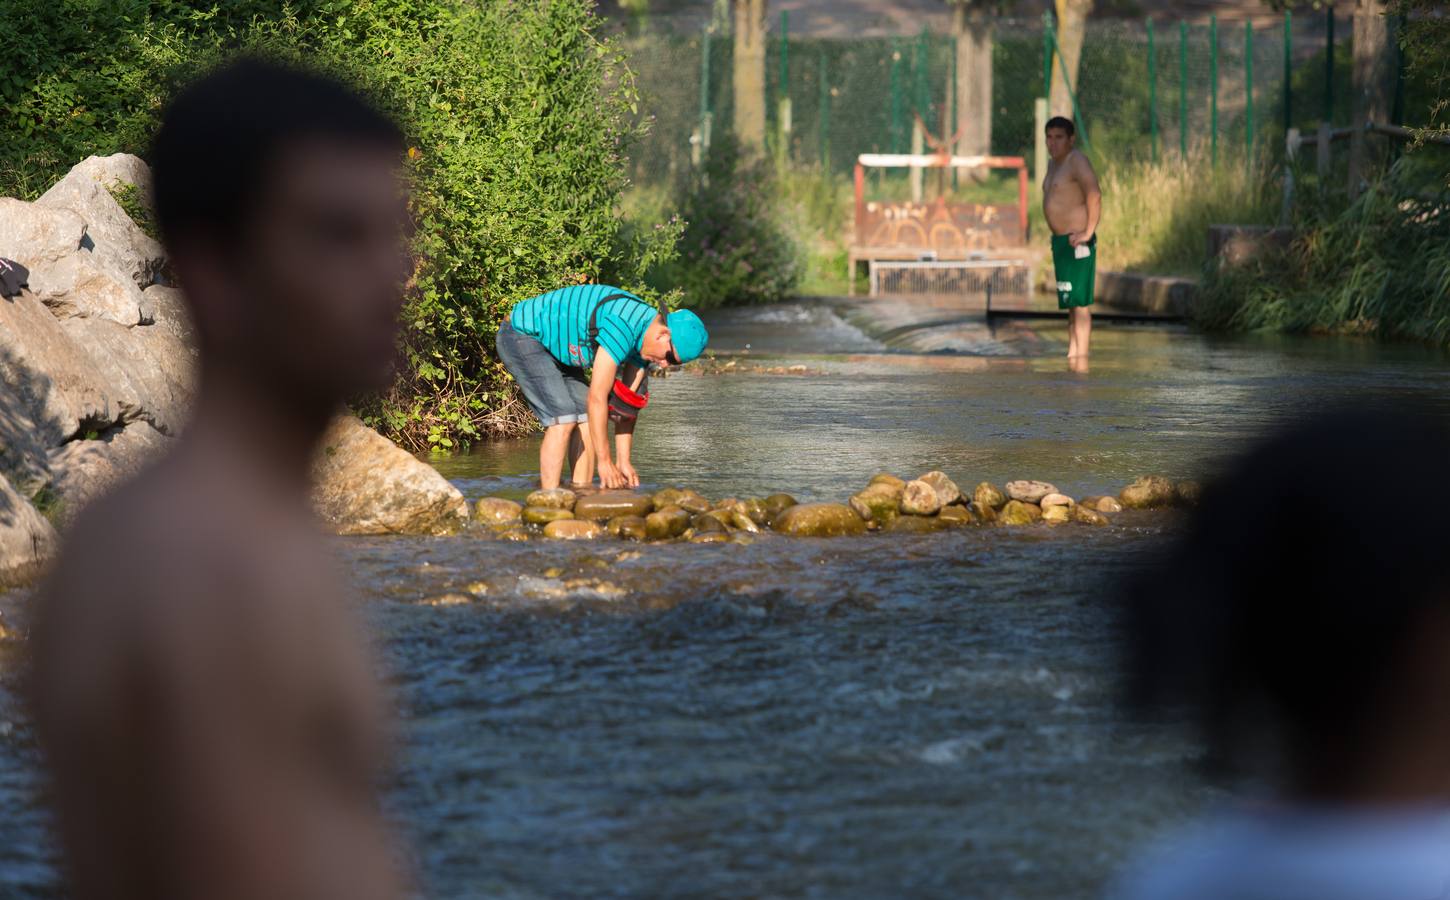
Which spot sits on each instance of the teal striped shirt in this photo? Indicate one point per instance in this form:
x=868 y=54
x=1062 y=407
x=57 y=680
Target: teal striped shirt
x=560 y=321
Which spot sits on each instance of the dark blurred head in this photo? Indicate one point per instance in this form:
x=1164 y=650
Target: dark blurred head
x=1303 y=620
x=282 y=204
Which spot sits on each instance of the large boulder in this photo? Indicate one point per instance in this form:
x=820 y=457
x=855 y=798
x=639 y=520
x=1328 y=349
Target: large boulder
x=38 y=236
x=82 y=471
x=27 y=540
x=166 y=309
x=148 y=373
x=1029 y=491
x=118 y=243
x=920 y=499
x=79 y=285
x=818 y=520
x=49 y=374
x=366 y=484
x=878 y=503
x=1016 y=512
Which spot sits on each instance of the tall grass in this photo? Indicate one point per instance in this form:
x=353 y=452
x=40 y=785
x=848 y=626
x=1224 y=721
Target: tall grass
x=1380 y=265
x=1156 y=215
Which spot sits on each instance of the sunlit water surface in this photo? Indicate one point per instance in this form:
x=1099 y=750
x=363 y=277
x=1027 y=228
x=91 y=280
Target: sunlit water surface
x=887 y=716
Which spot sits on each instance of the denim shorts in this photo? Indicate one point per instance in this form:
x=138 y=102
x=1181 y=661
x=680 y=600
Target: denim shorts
x=558 y=394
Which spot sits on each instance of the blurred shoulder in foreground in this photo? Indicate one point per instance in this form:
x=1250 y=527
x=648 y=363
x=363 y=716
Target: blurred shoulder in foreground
x=205 y=701
x=1301 y=626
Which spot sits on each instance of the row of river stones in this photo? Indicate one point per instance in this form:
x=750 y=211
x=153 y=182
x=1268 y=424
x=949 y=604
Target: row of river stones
x=929 y=503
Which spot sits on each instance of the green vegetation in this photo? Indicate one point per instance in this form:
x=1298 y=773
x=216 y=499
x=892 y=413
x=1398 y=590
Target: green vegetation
x=1380 y=266
x=519 y=114
x=128 y=196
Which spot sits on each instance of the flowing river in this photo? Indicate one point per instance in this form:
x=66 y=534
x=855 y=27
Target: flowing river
x=885 y=716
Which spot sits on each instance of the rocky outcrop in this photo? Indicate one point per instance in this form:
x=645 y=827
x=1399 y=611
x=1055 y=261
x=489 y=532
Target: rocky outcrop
x=27 y=540
x=366 y=484
x=82 y=471
x=115 y=241
x=819 y=520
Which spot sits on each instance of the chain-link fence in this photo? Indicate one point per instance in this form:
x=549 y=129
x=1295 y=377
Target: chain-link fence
x=1144 y=90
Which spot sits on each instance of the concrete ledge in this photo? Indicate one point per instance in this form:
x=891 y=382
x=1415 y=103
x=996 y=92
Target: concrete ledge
x=1163 y=296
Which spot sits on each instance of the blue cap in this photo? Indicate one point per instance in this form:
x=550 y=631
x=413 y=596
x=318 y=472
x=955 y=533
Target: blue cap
x=687 y=333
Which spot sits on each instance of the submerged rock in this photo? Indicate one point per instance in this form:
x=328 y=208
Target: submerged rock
x=916 y=524
x=1029 y=491
x=1057 y=515
x=666 y=523
x=609 y=504
x=516 y=534
x=1108 y=505
x=1017 y=512
x=775 y=504
x=946 y=489
x=956 y=515
x=1087 y=516
x=819 y=520
x=543 y=515
x=711 y=537
x=631 y=528
x=877 y=504
x=1055 y=500
x=693 y=502
x=555 y=498
x=988 y=496
x=919 y=499
x=573 y=530
x=497 y=511
x=1189 y=492
x=755 y=509
x=1148 y=492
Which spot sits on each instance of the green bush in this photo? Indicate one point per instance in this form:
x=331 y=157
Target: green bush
x=519 y=114
x=735 y=247
x=1380 y=266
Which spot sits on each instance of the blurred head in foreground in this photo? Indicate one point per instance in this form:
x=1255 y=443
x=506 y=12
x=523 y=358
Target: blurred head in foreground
x=204 y=701
x=1302 y=626
x=281 y=202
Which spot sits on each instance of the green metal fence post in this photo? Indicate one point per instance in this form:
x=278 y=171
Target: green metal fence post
x=1047 y=42
x=1183 y=90
x=1152 y=90
x=1288 y=70
x=1213 y=86
x=784 y=54
x=1329 y=66
x=1248 y=93
x=705 y=92
x=894 y=141
x=922 y=98
x=825 y=116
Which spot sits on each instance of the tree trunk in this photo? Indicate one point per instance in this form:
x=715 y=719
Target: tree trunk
x=973 y=31
x=749 y=73
x=1071 y=27
x=1373 y=88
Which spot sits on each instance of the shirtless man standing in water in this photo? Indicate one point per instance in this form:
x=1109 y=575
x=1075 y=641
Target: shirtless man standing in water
x=205 y=701
x=1073 y=204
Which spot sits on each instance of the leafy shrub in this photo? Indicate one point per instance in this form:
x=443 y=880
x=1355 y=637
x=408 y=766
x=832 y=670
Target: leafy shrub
x=1381 y=265
x=735 y=247
x=519 y=113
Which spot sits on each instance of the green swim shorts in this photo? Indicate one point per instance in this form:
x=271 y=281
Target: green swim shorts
x=1076 y=268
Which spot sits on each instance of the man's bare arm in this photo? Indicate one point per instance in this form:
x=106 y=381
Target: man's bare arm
x=601 y=382
x=1092 y=195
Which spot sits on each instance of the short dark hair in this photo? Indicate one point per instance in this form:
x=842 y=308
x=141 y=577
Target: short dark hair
x=1062 y=122
x=218 y=137
x=1282 y=610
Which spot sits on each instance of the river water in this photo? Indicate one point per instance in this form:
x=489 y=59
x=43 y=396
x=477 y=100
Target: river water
x=885 y=716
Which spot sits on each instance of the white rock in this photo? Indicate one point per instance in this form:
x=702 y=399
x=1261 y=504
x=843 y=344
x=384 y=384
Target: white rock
x=79 y=285
x=1056 y=500
x=49 y=375
x=118 y=243
x=82 y=471
x=366 y=484
x=147 y=372
x=1029 y=491
x=165 y=308
x=36 y=235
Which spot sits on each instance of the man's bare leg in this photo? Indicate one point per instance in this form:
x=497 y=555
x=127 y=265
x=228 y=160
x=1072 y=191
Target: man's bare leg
x=552 y=451
x=1082 y=327
x=581 y=457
